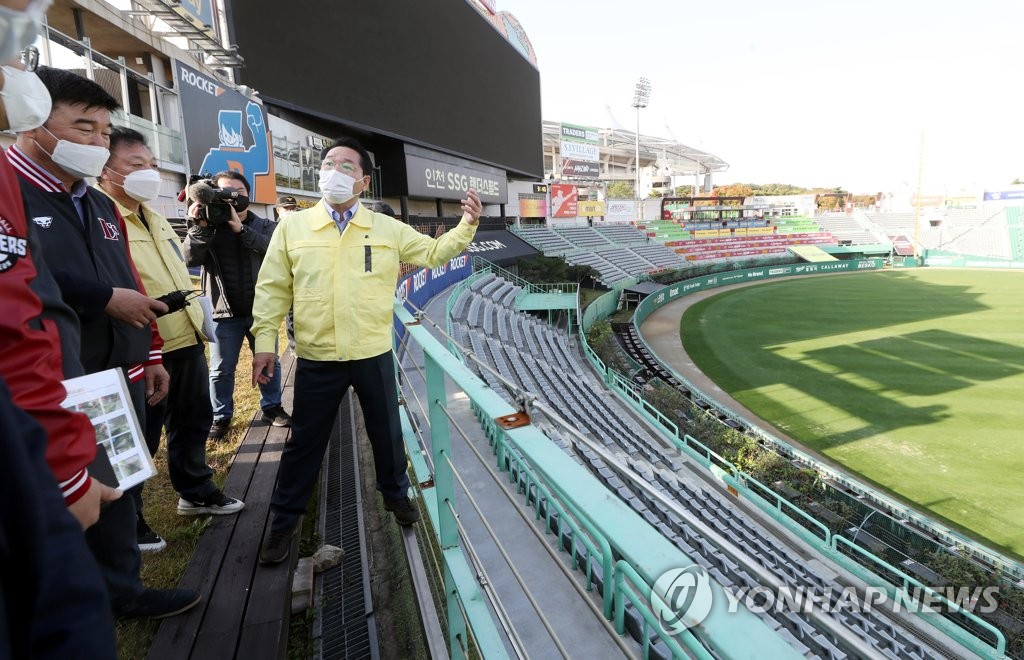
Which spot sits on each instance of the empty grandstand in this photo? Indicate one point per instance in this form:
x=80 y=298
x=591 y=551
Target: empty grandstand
x=615 y=252
x=977 y=232
x=737 y=239
x=519 y=356
x=851 y=230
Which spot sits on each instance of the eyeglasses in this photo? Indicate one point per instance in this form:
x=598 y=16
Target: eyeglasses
x=346 y=167
x=30 y=58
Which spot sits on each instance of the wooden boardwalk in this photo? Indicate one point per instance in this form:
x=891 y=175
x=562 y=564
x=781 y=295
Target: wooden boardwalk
x=245 y=608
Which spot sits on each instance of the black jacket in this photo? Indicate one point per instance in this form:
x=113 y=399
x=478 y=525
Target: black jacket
x=230 y=263
x=87 y=260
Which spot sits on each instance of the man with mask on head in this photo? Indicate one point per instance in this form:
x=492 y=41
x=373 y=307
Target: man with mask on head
x=85 y=246
x=53 y=603
x=337 y=262
x=34 y=371
x=131 y=179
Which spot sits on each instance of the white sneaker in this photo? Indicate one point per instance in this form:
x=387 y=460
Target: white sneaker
x=217 y=504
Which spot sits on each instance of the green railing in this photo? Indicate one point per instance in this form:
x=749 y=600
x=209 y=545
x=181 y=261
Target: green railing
x=623 y=573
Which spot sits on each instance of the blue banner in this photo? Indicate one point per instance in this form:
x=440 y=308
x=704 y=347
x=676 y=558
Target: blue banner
x=426 y=283
x=1000 y=195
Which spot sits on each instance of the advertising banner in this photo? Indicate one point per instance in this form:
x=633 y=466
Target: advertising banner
x=433 y=175
x=500 y=247
x=564 y=200
x=927 y=200
x=1002 y=195
x=225 y=131
x=673 y=291
x=201 y=10
x=591 y=209
x=580 y=152
x=579 y=169
x=533 y=207
x=426 y=283
x=620 y=210
x=962 y=201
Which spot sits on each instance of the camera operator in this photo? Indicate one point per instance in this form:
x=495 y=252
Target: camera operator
x=230 y=252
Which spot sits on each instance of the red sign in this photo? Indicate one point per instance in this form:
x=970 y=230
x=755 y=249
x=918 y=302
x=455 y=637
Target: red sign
x=564 y=200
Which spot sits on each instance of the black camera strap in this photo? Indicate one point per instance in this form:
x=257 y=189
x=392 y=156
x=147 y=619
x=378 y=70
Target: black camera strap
x=220 y=281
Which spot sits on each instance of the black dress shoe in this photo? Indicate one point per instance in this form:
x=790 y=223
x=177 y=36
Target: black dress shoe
x=404 y=510
x=218 y=429
x=277 y=545
x=161 y=603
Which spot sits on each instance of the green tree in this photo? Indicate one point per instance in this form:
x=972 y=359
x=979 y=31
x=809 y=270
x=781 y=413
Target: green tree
x=619 y=190
x=771 y=189
x=578 y=273
x=543 y=270
x=602 y=340
x=683 y=191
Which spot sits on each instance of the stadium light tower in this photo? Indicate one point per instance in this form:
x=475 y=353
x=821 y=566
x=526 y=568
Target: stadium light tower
x=641 y=95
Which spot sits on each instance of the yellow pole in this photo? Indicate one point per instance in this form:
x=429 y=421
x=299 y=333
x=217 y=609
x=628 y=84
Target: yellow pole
x=917 y=202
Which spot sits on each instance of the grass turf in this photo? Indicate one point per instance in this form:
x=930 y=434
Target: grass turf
x=913 y=380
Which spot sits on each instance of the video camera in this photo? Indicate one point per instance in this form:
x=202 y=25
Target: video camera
x=216 y=202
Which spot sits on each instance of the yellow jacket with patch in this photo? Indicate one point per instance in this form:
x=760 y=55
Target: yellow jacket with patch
x=342 y=286
x=156 y=251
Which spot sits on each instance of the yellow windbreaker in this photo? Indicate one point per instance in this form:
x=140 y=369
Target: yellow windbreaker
x=342 y=287
x=156 y=251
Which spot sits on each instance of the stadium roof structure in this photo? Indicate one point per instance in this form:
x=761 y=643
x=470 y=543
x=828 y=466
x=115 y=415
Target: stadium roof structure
x=618 y=147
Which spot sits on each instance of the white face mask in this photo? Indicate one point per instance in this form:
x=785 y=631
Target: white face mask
x=337 y=187
x=142 y=185
x=26 y=99
x=18 y=29
x=78 y=160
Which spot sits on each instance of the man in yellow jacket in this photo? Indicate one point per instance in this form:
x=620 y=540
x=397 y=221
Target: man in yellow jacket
x=337 y=264
x=130 y=178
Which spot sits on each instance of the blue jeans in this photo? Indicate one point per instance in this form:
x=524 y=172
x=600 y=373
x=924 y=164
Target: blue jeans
x=230 y=333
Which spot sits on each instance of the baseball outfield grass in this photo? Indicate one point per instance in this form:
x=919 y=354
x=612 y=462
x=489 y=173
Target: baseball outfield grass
x=913 y=380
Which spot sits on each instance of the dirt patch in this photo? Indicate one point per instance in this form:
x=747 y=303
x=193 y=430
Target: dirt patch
x=399 y=631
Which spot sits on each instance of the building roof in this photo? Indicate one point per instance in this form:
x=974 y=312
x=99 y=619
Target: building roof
x=618 y=146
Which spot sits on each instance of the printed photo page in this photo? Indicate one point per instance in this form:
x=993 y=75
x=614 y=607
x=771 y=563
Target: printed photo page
x=104 y=398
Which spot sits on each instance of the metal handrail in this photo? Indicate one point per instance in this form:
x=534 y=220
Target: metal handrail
x=605 y=554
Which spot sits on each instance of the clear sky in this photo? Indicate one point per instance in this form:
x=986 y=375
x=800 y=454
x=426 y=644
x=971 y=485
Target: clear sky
x=807 y=92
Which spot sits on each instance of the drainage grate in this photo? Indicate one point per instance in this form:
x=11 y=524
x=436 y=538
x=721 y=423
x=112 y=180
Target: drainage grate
x=344 y=626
